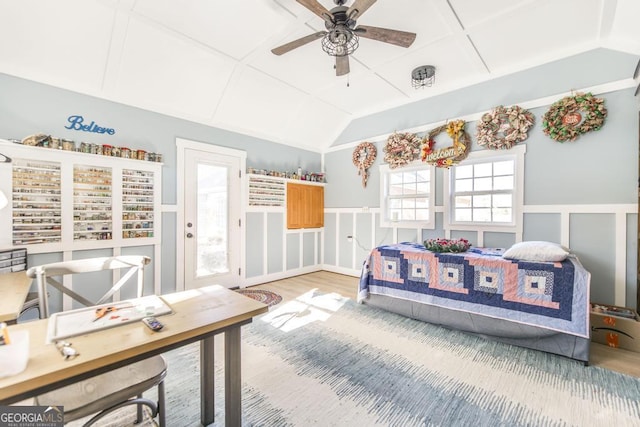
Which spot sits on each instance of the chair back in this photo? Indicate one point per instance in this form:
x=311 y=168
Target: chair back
x=44 y=274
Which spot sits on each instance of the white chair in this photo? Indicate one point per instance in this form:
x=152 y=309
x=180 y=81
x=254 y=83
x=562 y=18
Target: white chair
x=112 y=390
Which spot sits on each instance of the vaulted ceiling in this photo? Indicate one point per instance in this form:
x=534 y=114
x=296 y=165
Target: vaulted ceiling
x=210 y=61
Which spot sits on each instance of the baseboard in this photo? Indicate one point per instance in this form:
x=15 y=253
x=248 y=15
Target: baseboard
x=341 y=270
x=258 y=280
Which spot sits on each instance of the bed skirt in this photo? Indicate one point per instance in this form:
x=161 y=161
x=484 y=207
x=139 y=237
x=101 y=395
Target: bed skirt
x=500 y=330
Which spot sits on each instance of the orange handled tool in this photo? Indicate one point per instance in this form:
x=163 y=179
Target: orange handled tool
x=102 y=311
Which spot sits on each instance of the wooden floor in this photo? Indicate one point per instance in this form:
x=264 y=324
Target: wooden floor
x=619 y=360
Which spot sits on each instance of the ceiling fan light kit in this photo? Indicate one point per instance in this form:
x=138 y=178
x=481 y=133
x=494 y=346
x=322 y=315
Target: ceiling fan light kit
x=341 y=37
x=340 y=43
x=423 y=76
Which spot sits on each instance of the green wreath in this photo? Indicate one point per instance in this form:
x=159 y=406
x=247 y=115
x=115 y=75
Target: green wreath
x=563 y=121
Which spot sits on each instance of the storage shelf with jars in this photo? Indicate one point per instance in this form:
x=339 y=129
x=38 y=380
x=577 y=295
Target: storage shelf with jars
x=137 y=204
x=35 y=202
x=266 y=191
x=92 y=204
x=77 y=201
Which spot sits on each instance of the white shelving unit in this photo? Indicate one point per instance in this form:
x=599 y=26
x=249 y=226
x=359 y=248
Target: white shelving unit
x=35 y=202
x=137 y=203
x=266 y=191
x=92 y=203
x=76 y=201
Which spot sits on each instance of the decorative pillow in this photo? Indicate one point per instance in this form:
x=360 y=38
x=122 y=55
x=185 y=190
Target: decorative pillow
x=537 y=251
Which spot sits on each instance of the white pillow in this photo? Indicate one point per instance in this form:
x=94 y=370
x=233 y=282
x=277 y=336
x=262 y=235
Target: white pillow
x=537 y=251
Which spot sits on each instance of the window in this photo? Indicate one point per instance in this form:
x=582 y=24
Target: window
x=486 y=190
x=407 y=196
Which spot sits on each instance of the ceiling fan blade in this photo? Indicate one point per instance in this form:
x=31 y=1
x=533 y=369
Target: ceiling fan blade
x=358 y=8
x=297 y=43
x=342 y=65
x=399 y=38
x=318 y=9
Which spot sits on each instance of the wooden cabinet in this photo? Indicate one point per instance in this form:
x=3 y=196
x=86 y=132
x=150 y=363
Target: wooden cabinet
x=305 y=206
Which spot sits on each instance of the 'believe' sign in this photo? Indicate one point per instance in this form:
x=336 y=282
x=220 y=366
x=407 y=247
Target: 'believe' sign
x=77 y=123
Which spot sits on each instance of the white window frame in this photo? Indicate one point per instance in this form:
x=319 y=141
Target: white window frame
x=484 y=156
x=385 y=221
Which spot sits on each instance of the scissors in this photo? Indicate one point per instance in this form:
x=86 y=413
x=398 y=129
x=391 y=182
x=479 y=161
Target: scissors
x=102 y=311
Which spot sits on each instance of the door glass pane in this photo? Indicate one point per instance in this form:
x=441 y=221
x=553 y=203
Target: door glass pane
x=212 y=244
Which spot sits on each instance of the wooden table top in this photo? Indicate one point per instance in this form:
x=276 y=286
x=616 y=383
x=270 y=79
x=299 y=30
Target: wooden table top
x=14 y=288
x=197 y=313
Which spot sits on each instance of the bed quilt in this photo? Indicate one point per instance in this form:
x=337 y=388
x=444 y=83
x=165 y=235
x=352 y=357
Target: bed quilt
x=551 y=295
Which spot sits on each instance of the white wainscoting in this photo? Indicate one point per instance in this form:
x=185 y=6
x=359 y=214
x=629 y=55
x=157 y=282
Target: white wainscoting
x=620 y=211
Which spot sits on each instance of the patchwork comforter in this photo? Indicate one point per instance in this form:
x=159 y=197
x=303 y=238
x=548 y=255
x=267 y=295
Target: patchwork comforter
x=550 y=295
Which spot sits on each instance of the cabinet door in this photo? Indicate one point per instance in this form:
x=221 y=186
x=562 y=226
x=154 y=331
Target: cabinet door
x=295 y=204
x=316 y=203
x=305 y=206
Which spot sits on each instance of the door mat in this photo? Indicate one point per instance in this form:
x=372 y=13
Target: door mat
x=267 y=297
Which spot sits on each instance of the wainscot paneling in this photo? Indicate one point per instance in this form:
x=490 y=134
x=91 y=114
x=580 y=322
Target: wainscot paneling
x=603 y=237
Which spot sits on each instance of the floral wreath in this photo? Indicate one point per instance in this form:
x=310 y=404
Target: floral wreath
x=445 y=157
x=401 y=149
x=447 y=245
x=563 y=121
x=363 y=157
x=513 y=122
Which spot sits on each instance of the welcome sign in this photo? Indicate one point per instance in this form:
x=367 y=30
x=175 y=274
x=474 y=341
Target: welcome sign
x=78 y=123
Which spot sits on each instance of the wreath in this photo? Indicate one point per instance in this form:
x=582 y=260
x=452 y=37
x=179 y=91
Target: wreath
x=363 y=157
x=513 y=123
x=401 y=149
x=447 y=245
x=448 y=156
x=563 y=121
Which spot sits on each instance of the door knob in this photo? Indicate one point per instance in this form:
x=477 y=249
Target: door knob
x=189 y=235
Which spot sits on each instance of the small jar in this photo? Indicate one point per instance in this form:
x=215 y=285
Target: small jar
x=55 y=143
x=141 y=154
x=96 y=149
x=85 y=147
x=68 y=145
x=106 y=149
x=125 y=153
x=158 y=157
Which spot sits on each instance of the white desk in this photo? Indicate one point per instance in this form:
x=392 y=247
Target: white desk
x=198 y=315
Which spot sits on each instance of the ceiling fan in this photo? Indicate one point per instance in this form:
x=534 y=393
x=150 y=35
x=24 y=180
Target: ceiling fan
x=341 y=36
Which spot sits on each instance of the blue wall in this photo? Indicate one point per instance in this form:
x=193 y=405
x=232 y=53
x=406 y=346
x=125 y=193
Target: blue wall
x=27 y=108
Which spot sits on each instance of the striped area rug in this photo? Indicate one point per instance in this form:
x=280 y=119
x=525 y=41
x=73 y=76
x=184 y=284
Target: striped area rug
x=323 y=360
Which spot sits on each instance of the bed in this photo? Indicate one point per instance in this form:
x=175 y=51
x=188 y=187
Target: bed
x=538 y=305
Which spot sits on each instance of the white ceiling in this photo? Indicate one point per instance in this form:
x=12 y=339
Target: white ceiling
x=210 y=61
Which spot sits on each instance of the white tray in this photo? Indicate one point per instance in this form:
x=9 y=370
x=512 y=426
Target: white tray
x=81 y=321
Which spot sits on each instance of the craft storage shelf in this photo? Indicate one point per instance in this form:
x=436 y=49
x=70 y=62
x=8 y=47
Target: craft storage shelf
x=266 y=191
x=77 y=201
x=92 y=204
x=137 y=204
x=36 y=202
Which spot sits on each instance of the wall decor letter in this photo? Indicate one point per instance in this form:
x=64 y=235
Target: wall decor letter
x=77 y=123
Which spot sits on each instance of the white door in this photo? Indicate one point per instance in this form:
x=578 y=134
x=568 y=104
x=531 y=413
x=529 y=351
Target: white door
x=211 y=223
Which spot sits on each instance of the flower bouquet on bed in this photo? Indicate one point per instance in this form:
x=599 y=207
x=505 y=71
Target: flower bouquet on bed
x=447 y=245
